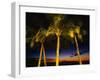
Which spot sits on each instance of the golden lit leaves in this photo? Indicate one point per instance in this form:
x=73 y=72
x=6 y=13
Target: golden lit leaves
x=71 y=33
x=32 y=44
x=54 y=29
x=50 y=31
x=77 y=29
x=68 y=32
x=39 y=37
x=58 y=17
x=80 y=36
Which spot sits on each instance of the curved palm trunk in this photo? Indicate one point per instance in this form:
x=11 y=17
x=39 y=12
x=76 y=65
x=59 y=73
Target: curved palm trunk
x=78 y=51
x=57 y=50
x=40 y=58
x=44 y=55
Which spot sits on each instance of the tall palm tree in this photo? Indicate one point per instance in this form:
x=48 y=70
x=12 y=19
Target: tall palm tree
x=54 y=29
x=40 y=37
x=74 y=33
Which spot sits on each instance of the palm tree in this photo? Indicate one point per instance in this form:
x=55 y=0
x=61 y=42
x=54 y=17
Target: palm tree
x=74 y=33
x=40 y=37
x=54 y=29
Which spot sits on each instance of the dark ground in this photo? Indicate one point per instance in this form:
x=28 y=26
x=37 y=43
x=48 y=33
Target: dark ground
x=34 y=63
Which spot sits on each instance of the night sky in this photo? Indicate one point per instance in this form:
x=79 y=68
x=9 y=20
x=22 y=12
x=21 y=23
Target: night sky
x=34 y=21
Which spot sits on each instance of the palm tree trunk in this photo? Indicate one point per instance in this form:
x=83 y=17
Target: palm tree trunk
x=57 y=50
x=44 y=55
x=40 y=58
x=78 y=51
